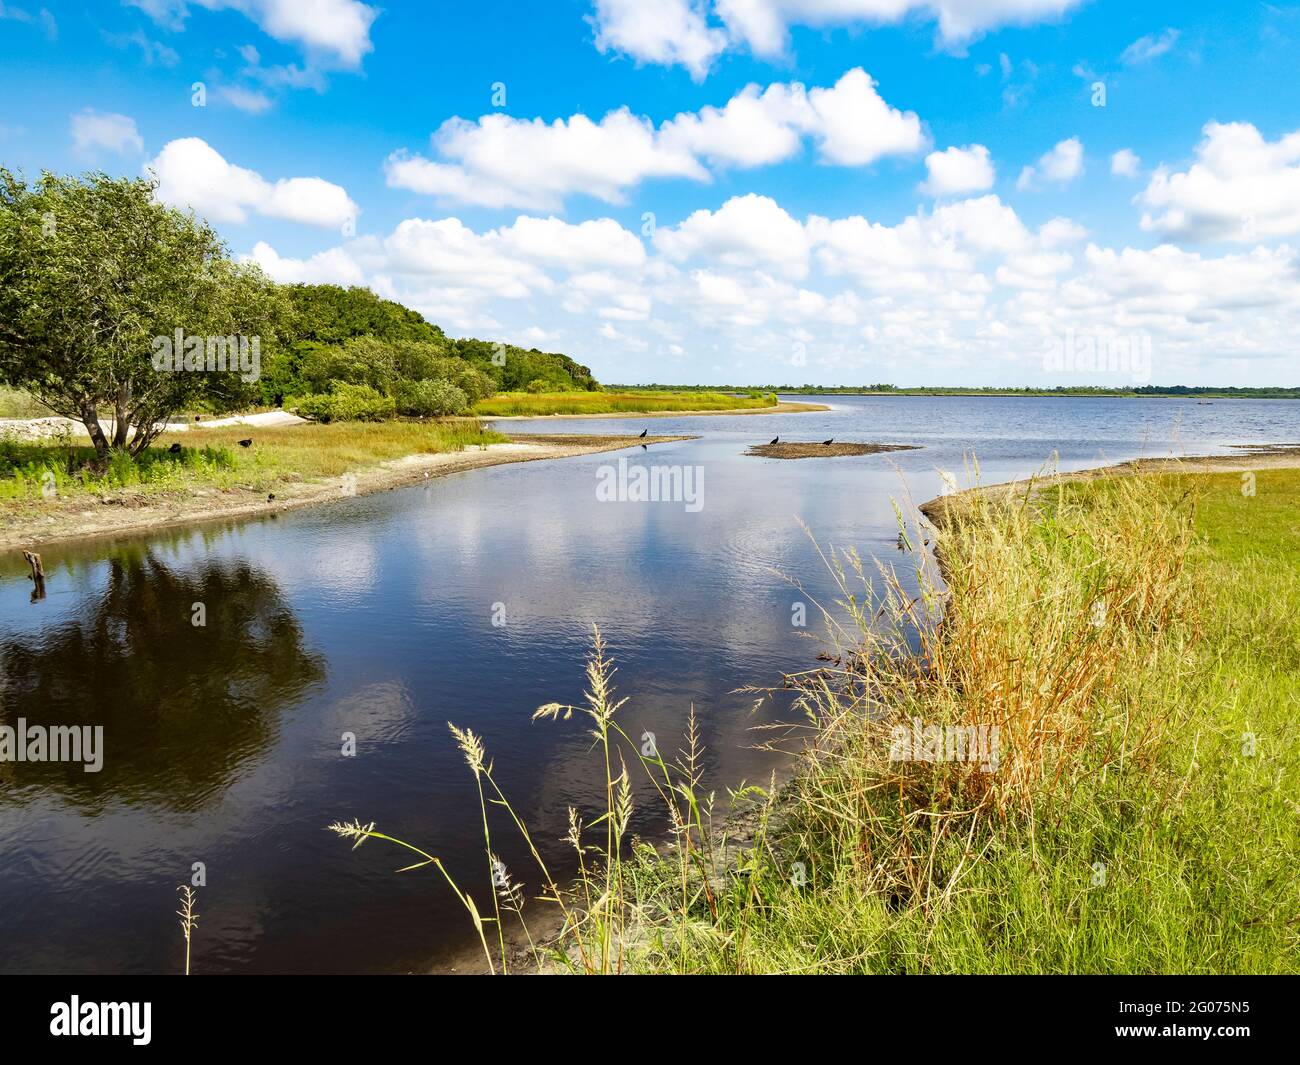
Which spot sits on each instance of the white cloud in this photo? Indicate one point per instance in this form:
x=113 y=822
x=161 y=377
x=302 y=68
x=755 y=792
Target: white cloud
x=958 y=170
x=336 y=31
x=692 y=32
x=1063 y=163
x=1125 y=163
x=659 y=31
x=1152 y=46
x=248 y=100
x=192 y=174
x=745 y=231
x=1241 y=188
x=332 y=267
x=95 y=131
x=479 y=163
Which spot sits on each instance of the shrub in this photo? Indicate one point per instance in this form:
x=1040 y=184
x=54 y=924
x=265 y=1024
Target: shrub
x=347 y=403
x=430 y=397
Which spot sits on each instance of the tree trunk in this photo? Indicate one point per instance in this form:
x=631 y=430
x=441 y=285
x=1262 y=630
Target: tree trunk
x=90 y=419
x=121 y=416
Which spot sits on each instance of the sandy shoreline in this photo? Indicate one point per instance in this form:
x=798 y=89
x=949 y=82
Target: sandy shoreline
x=87 y=518
x=781 y=408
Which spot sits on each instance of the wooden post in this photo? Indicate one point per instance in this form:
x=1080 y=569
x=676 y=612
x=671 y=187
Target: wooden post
x=38 y=573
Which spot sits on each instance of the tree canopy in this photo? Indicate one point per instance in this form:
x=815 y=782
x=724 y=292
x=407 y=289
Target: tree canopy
x=96 y=280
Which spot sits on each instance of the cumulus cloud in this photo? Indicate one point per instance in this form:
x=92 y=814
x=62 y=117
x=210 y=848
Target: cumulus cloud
x=192 y=174
x=745 y=231
x=332 y=267
x=669 y=32
x=333 y=31
x=1241 y=188
x=1062 y=164
x=1125 y=163
x=692 y=33
x=849 y=123
x=99 y=131
x=958 y=170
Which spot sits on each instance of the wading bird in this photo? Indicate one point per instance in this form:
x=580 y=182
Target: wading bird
x=643 y=432
x=828 y=443
x=246 y=443
x=774 y=440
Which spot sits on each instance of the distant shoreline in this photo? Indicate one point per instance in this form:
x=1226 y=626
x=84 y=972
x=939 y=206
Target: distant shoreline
x=780 y=408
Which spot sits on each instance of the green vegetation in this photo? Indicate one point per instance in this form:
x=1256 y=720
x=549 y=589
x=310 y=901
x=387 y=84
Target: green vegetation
x=339 y=340
x=212 y=459
x=1135 y=642
x=1151 y=391
x=93 y=275
x=610 y=402
x=113 y=306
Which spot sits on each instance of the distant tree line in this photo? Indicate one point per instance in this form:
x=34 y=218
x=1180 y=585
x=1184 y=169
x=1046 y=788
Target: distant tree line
x=1196 y=391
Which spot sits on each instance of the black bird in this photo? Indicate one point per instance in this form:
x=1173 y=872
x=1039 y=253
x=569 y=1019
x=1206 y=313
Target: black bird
x=246 y=443
x=644 y=431
x=175 y=449
x=828 y=443
x=774 y=440
x=270 y=497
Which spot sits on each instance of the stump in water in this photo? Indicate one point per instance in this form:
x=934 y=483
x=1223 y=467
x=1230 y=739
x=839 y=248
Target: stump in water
x=38 y=574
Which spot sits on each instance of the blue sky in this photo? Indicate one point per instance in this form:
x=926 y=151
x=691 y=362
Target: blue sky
x=741 y=191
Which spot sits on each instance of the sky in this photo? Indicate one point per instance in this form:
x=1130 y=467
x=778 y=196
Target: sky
x=917 y=192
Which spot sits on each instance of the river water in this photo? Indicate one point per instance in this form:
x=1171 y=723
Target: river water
x=469 y=599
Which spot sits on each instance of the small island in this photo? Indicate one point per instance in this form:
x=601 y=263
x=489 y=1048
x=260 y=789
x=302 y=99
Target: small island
x=818 y=450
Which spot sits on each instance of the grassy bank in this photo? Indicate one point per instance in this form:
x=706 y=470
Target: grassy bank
x=526 y=404
x=1114 y=676
x=212 y=459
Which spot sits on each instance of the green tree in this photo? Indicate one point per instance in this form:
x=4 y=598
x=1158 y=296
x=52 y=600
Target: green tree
x=94 y=276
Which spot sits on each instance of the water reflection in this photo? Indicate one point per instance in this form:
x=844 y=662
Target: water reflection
x=136 y=662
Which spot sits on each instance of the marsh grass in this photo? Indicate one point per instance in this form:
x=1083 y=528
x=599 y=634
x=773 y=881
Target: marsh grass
x=525 y=404
x=212 y=459
x=1134 y=643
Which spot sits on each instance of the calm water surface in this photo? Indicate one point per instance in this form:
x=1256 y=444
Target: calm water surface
x=374 y=616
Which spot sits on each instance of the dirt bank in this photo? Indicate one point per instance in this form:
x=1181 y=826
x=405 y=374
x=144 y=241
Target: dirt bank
x=1245 y=459
x=126 y=512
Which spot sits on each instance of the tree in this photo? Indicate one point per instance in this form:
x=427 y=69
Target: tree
x=98 y=282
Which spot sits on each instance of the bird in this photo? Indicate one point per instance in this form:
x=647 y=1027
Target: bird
x=643 y=432
x=270 y=497
x=774 y=440
x=827 y=443
x=175 y=449
x=246 y=443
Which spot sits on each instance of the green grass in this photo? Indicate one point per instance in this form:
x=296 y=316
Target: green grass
x=212 y=459
x=15 y=403
x=527 y=404
x=1145 y=816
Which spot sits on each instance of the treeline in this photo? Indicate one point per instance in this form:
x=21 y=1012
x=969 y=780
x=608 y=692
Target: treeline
x=348 y=354
x=1167 y=391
